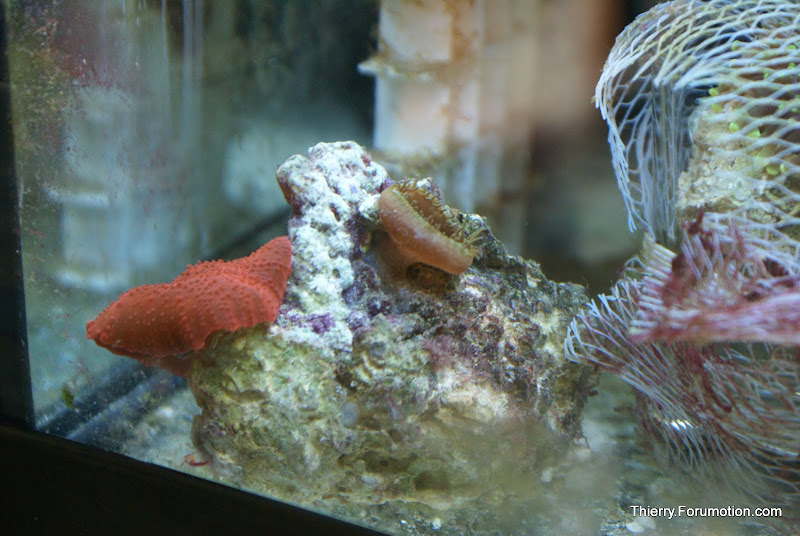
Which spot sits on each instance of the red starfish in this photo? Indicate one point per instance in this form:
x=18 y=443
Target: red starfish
x=154 y=324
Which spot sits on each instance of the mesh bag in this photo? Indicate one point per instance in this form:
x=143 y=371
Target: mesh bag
x=720 y=410
x=702 y=99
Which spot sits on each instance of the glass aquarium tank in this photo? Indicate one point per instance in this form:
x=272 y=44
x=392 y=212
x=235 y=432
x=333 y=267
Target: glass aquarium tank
x=381 y=267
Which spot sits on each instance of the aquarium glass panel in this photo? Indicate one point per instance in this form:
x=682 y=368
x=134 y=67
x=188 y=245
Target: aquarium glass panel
x=385 y=260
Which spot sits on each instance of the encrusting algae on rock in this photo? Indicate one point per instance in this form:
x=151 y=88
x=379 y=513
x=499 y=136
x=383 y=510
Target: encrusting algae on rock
x=379 y=392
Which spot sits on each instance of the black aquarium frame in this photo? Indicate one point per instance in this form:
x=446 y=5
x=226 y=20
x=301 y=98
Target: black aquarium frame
x=55 y=486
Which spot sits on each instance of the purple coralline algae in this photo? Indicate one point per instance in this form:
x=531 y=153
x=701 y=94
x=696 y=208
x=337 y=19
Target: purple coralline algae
x=385 y=386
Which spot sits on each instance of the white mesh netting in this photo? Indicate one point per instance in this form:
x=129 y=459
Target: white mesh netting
x=721 y=407
x=702 y=99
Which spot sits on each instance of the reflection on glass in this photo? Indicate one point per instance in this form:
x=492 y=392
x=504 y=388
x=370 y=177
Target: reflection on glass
x=386 y=357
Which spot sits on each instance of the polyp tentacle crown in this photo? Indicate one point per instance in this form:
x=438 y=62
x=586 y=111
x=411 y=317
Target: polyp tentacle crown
x=425 y=229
